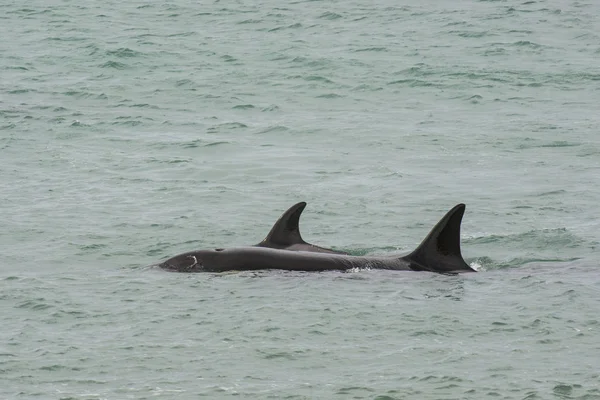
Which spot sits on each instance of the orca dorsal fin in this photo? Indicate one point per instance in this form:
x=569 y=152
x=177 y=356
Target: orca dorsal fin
x=286 y=231
x=440 y=250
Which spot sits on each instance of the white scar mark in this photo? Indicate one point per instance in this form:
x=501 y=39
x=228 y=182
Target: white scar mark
x=195 y=262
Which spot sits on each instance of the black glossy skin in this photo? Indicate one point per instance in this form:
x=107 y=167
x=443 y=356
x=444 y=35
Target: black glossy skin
x=255 y=258
x=285 y=234
x=439 y=252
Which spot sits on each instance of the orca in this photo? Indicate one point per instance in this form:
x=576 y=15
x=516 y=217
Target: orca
x=439 y=252
x=285 y=234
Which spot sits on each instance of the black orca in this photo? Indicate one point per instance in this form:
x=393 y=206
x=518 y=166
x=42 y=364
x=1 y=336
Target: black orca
x=285 y=234
x=439 y=252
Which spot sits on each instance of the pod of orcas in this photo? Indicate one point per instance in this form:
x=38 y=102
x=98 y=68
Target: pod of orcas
x=284 y=249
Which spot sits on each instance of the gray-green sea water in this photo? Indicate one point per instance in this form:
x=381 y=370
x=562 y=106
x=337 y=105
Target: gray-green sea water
x=133 y=131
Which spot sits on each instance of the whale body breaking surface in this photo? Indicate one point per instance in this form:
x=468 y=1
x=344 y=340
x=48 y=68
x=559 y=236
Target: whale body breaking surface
x=284 y=249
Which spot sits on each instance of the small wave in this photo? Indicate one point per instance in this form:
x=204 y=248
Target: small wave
x=330 y=96
x=330 y=15
x=250 y=21
x=351 y=391
x=123 y=52
x=274 y=129
x=542 y=239
x=371 y=49
x=471 y=34
x=475 y=99
x=316 y=78
x=184 y=82
x=277 y=355
x=114 y=64
x=144 y=105
x=518 y=262
x=475 y=265
x=226 y=126
x=127 y=123
x=556 y=143
x=78 y=94
x=561 y=143
x=215 y=144
x=243 y=107
x=182 y=34
x=37 y=304
x=66 y=39
x=412 y=83
x=527 y=43
x=292 y=26
x=365 y=88
x=54 y=367
x=18 y=91
x=356 y=269
x=270 y=108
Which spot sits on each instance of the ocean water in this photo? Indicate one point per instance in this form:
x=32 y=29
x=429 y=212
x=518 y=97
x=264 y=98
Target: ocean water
x=133 y=131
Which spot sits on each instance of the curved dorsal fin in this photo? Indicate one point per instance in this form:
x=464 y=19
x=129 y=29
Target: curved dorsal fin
x=286 y=231
x=285 y=234
x=440 y=250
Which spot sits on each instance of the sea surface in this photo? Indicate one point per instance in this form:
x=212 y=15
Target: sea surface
x=133 y=131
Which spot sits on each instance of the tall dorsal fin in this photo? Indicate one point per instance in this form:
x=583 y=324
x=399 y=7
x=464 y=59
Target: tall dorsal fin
x=285 y=234
x=440 y=250
x=286 y=231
